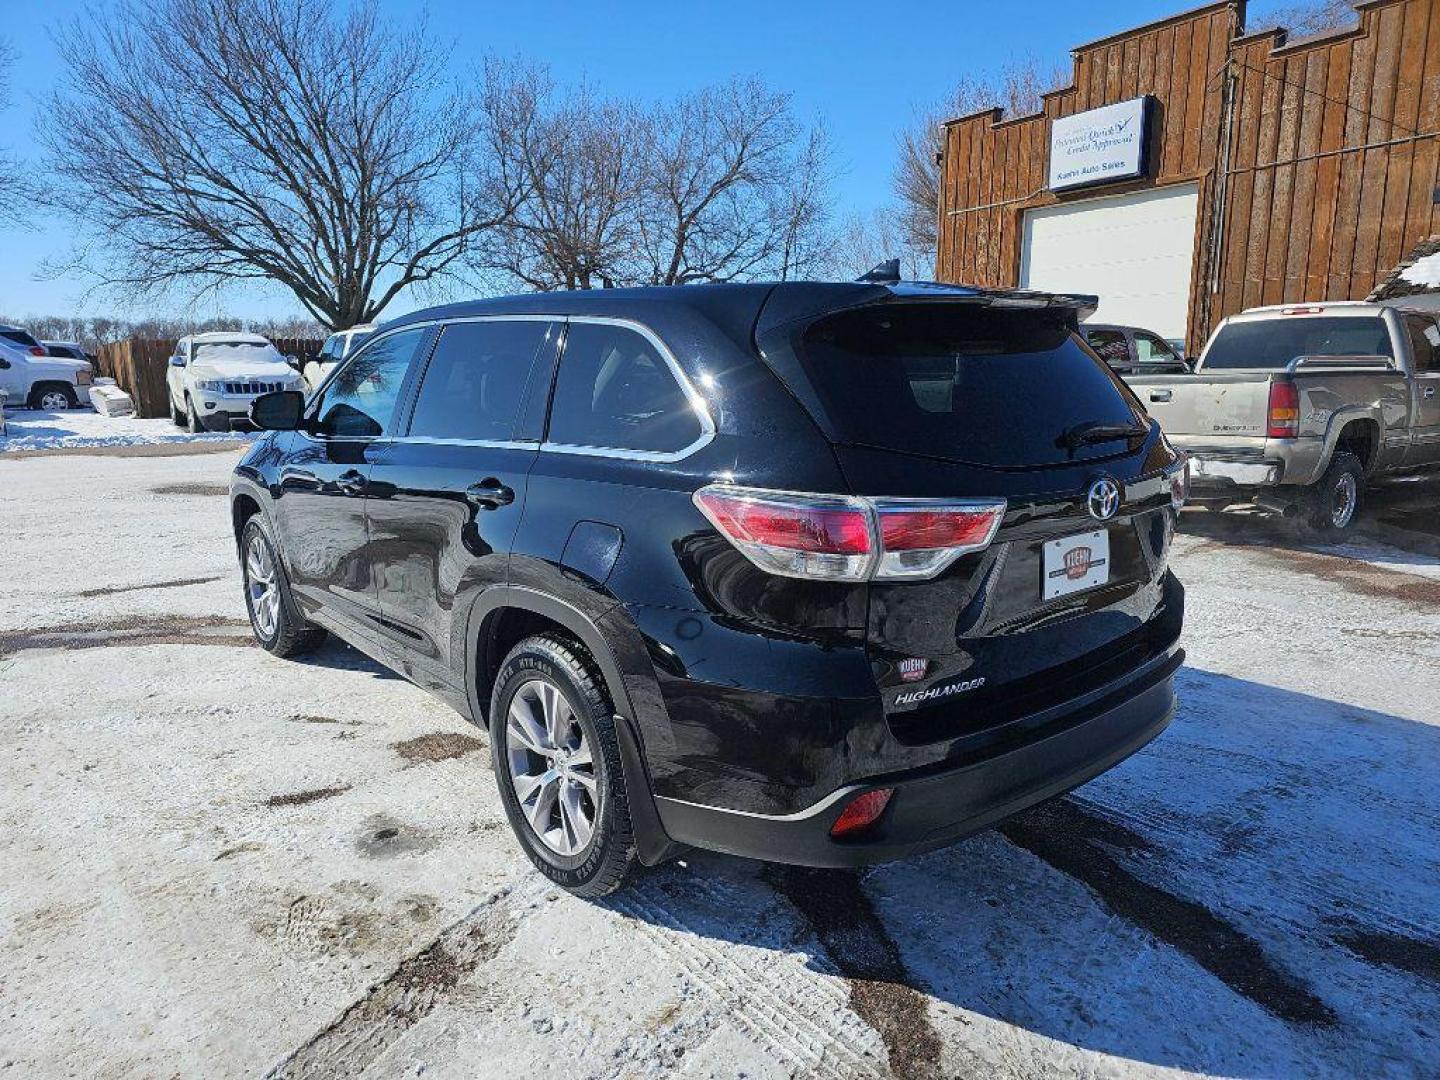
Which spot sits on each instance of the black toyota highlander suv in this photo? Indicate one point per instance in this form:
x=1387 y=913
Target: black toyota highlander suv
x=816 y=573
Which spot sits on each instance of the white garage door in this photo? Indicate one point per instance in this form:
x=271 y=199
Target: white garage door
x=1133 y=251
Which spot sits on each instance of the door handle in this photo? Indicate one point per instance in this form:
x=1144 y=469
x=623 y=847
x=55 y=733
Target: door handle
x=351 y=482
x=1429 y=391
x=490 y=494
x=1161 y=395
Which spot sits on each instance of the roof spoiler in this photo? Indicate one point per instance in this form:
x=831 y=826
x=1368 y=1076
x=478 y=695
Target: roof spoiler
x=1083 y=304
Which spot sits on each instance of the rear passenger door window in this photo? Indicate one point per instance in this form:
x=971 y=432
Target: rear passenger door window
x=615 y=391
x=476 y=380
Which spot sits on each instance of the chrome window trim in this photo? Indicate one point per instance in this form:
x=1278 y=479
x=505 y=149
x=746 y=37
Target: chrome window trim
x=698 y=405
x=697 y=402
x=493 y=444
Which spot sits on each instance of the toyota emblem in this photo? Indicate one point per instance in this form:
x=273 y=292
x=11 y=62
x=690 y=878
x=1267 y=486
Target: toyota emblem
x=1103 y=499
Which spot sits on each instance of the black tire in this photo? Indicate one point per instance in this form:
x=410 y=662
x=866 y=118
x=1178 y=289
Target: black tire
x=1333 y=503
x=177 y=415
x=40 y=391
x=291 y=635
x=192 y=418
x=608 y=860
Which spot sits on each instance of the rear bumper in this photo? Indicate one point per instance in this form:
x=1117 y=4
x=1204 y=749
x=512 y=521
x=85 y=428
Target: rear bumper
x=1219 y=472
x=932 y=808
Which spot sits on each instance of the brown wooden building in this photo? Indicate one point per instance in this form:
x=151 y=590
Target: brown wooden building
x=1194 y=170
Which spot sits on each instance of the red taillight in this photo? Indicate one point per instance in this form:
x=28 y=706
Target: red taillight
x=863 y=811
x=1180 y=485
x=920 y=540
x=848 y=538
x=809 y=536
x=798 y=527
x=36 y=350
x=1284 y=411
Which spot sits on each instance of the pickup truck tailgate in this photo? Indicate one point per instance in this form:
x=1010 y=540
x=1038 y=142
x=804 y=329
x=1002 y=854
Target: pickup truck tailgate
x=1229 y=404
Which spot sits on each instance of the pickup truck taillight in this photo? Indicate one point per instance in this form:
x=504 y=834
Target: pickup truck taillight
x=1283 y=421
x=848 y=538
x=36 y=350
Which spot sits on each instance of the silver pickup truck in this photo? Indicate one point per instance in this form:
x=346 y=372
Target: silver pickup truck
x=1294 y=408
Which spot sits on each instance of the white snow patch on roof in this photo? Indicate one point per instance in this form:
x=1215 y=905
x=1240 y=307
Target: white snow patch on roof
x=1424 y=271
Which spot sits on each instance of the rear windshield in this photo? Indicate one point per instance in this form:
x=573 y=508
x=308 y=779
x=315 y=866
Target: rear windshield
x=973 y=384
x=1272 y=343
x=20 y=337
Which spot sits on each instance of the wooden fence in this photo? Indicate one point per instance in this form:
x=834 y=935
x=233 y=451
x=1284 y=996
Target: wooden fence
x=139 y=366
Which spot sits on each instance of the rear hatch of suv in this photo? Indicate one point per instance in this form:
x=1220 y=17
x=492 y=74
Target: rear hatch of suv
x=977 y=402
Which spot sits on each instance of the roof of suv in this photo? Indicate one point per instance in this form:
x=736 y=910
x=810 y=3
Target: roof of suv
x=734 y=306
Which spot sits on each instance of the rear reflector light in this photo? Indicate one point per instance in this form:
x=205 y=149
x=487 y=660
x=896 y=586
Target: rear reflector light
x=863 y=811
x=1284 y=412
x=847 y=538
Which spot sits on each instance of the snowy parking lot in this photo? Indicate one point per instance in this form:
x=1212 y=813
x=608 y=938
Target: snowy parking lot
x=219 y=863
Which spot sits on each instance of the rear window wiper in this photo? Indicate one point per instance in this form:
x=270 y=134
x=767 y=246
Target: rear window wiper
x=1095 y=431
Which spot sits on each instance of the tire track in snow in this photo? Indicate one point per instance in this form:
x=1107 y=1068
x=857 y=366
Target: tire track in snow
x=1078 y=843
x=803 y=1022
x=406 y=996
x=857 y=942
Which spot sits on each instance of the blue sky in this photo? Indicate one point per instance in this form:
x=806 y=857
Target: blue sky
x=861 y=67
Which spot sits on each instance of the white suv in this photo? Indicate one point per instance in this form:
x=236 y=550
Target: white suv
x=214 y=377
x=337 y=347
x=31 y=376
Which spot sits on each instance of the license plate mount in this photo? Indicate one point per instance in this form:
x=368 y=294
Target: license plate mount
x=1075 y=564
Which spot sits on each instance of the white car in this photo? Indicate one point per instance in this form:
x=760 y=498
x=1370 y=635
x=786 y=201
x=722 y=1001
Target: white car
x=214 y=377
x=31 y=376
x=337 y=347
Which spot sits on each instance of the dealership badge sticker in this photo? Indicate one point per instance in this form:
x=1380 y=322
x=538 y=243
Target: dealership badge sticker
x=912 y=669
x=1077 y=563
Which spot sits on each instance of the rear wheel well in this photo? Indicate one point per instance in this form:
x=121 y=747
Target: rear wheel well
x=503 y=629
x=1361 y=438
x=241 y=511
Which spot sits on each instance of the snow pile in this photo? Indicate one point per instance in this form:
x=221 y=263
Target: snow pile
x=37 y=429
x=1424 y=272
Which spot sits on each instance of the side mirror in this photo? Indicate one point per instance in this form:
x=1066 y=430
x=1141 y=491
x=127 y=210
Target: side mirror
x=293 y=361
x=177 y=361
x=4 y=364
x=280 y=411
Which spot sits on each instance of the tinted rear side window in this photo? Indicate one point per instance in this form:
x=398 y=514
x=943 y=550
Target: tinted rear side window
x=971 y=384
x=614 y=390
x=20 y=337
x=476 y=379
x=1270 y=344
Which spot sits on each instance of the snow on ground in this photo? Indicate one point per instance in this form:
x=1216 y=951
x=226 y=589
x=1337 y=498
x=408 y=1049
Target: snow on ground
x=37 y=429
x=219 y=863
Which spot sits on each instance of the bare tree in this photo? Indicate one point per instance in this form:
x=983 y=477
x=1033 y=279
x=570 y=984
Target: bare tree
x=915 y=182
x=1306 y=18
x=203 y=143
x=737 y=187
x=583 y=161
x=717 y=186
x=15 y=191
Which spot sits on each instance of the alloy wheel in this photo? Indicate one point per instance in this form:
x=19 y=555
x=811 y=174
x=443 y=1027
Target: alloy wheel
x=552 y=769
x=54 y=400
x=1342 y=501
x=262 y=586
